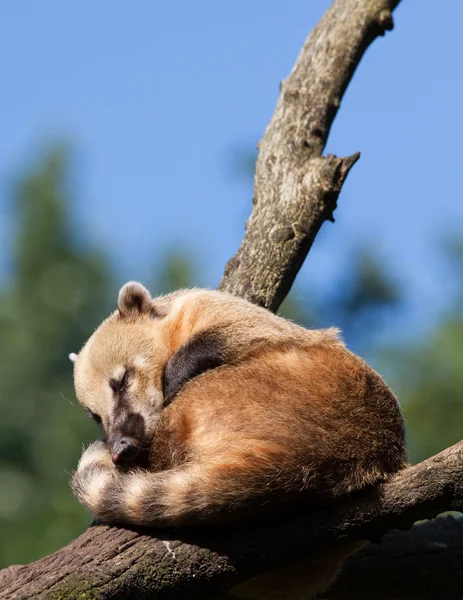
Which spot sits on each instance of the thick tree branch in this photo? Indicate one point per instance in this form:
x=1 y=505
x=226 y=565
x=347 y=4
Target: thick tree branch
x=295 y=187
x=116 y=563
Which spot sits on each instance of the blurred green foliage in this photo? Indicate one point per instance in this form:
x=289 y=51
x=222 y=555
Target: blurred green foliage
x=58 y=293
x=60 y=290
x=429 y=381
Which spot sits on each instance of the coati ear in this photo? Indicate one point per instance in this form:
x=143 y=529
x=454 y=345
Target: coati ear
x=73 y=357
x=206 y=350
x=134 y=299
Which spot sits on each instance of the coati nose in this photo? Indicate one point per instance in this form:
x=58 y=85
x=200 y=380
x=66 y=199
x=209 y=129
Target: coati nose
x=123 y=449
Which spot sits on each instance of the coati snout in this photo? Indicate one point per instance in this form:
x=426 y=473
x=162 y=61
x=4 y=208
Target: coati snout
x=127 y=439
x=123 y=449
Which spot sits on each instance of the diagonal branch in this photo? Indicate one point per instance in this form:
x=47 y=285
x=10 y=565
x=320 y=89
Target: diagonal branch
x=295 y=187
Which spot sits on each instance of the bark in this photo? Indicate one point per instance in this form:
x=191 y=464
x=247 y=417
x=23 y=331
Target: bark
x=296 y=190
x=117 y=563
x=425 y=562
x=295 y=187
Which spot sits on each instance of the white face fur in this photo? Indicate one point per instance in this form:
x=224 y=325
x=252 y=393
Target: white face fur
x=118 y=381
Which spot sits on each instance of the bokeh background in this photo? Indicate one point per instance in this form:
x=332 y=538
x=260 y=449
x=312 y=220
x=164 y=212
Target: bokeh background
x=127 y=152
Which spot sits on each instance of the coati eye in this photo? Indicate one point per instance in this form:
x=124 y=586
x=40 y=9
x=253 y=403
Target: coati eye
x=93 y=416
x=117 y=385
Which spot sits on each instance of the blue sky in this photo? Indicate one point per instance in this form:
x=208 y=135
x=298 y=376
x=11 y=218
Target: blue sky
x=155 y=97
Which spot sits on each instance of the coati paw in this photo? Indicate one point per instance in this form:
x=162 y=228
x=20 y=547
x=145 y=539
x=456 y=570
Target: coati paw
x=95 y=472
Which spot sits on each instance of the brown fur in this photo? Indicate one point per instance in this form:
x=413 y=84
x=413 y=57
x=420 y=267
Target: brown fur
x=261 y=409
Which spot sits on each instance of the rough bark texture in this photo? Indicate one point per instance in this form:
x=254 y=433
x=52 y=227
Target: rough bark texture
x=296 y=190
x=108 y=562
x=295 y=187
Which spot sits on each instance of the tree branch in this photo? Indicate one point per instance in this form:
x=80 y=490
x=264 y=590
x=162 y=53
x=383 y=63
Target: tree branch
x=425 y=562
x=109 y=562
x=295 y=187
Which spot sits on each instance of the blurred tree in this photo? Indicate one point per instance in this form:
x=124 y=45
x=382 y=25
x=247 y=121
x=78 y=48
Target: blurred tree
x=363 y=300
x=175 y=271
x=428 y=372
x=429 y=380
x=58 y=293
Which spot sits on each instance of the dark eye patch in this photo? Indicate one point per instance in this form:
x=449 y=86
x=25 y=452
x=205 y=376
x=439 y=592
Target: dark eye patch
x=117 y=385
x=93 y=416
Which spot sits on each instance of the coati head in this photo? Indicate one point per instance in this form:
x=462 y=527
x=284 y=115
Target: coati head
x=118 y=373
x=142 y=356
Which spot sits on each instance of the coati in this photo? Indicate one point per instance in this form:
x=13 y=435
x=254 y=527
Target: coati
x=210 y=405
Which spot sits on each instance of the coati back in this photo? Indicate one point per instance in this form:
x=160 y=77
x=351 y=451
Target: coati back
x=209 y=404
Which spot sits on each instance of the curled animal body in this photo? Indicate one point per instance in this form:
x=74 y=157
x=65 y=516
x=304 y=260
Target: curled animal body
x=211 y=406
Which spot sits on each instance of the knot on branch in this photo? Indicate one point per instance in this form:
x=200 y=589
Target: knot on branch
x=323 y=181
x=385 y=21
x=280 y=235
